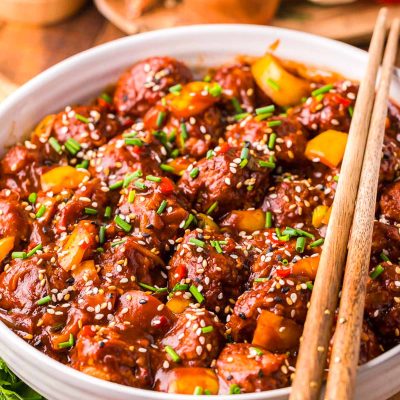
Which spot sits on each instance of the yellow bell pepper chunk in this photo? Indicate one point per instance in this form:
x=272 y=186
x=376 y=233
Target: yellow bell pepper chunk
x=63 y=177
x=186 y=380
x=327 y=216
x=206 y=222
x=86 y=271
x=306 y=267
x=276 y=333
x=248 y=221
x=328 y=147
x=284 y=88
x=318 y=215
x=44 y=127
x=6 y=245
x=178 y=304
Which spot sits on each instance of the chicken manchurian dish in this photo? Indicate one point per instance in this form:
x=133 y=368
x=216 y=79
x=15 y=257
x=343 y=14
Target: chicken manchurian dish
x=167 y=236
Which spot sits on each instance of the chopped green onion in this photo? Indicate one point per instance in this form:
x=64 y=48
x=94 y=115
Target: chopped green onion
x=316 y=243
x=376 y=271
x=176 y=88
x=81 y=118
x=234 y=389
x=41 y=211
x=72 y=146
x=239 y=117
x=106 y=97
x=215 y=90
x=102 y=234
x=309 y=285
x=271 y=124
x=319 y=98
x=194 y=173
x=32 y=198
x=216 y=245
x=175 y=153
x=134 y=142
x=244 y=153
x=140 y=185
x=118 y=242
x=184 y=132
x=116 y=185
x=304 y=233
x=131 y=134
x=300 y=244
x=207 y=329
x=351 y=111
x=207 y=78
x=90 y=211
x=55 y=145
x=179 y=287
x=172 y=353
x=196 y=294
x=236 y=105
x=160 y=118
x=212 y=207
x=384 y=257
x=268 y=219
x=167 y=168
x=273 y=84
x=69 y=344
x=107 y=212
x=257 y=351
x=43 y=300
x=243 y=163
x=210 y=154
x=153 y=178
x=122 y=224
x=197 y=242
x=198 y=390
x=34 y=250
x=83 y=165
x=131 y=196
x=322 y=90
x=261 y=280
x=18 y=254
x=188 y=221
x=162 y=207
x=153 y=288
x=271 y=141
x=265 y=110
x=266 y=164
x=336 y=178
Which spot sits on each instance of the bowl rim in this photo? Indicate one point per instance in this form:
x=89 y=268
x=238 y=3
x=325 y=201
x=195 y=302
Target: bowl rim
x=44 y=362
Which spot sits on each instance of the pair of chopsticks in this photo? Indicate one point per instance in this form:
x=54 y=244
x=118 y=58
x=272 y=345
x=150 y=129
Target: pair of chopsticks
x=350 y=229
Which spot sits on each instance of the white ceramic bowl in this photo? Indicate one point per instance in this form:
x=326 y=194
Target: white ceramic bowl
x=83 y=76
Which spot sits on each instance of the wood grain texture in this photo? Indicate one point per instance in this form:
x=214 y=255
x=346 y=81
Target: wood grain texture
x=345 y=352
x=317 y=329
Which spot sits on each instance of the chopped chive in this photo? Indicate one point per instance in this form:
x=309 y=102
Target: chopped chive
x=131 y=134
x=184 y=133
x=41 y=211
x=210 y=154
x=300 y=244
x=44 y=300
x=212 y=207
x=102 y=234
x=72 y=146
x=81 y=118
x=180 y=287
x=196 y=294
x=175 y=153
x=207 y=391
x=261 y=280
x=271 y=124
x=188 y=221
x=234 y=389
x=290 y=231
x=172 y=353
x=194 y=173
x=261 y=117
x=376 y=271
x=161 y=118
x=316 y=243
x=18 y=254
x=257 y=351
x=32 y=198
x=240 y=116
x=236 y=105
x=83 y=165
x=176 y=88
x=122 y=224
x=67 y=345
x=107 y=212
x=140 y=185
x=265 y=110
x=116 y=185
x=131 y=196
x=100 y=250
x=106 y=97
x=162 y=207
x=351 y=111
x=197 y=242
x=336 y=178
x=273 y=84
x=319 y=98
x=55 y=145
x=244 y=153
x=266 y=164
x=268 y=219
x=134 y=142
x=167 y=168
x=154 y=289
x=215 y=90
x=310 y=285
x=304 y=233
x=384 y=257
x=153 y=178
x=198 y=390
x=34 y=250
x=322 y=90
x=271 y=141
x=118 y=242
x=207 y=329
x=243 y=163
x=90 y=211
x=216 y=245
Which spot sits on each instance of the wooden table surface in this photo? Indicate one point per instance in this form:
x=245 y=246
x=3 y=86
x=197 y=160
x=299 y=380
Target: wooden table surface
x=26 y=50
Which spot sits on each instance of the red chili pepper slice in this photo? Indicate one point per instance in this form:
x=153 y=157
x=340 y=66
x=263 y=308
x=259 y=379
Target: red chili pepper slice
x=283 y=273
x=166 y=186
x=180 y=272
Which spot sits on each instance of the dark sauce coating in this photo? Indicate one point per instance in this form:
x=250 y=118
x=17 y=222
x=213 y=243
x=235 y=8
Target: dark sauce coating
x=167 y=237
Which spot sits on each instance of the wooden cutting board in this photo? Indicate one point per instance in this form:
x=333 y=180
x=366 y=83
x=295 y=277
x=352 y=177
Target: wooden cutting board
x=350 y=23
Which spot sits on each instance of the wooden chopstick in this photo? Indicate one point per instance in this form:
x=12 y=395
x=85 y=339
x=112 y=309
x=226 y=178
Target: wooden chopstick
x=317 y=329
x=346 y=345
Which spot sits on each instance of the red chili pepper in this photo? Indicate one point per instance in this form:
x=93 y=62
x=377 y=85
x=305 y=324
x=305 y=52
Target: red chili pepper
x=180 y=272
x=102 y=103
x=166 y=186
x=342 y=100
x=283 y=273
x=224 y=148
x=137 y=149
